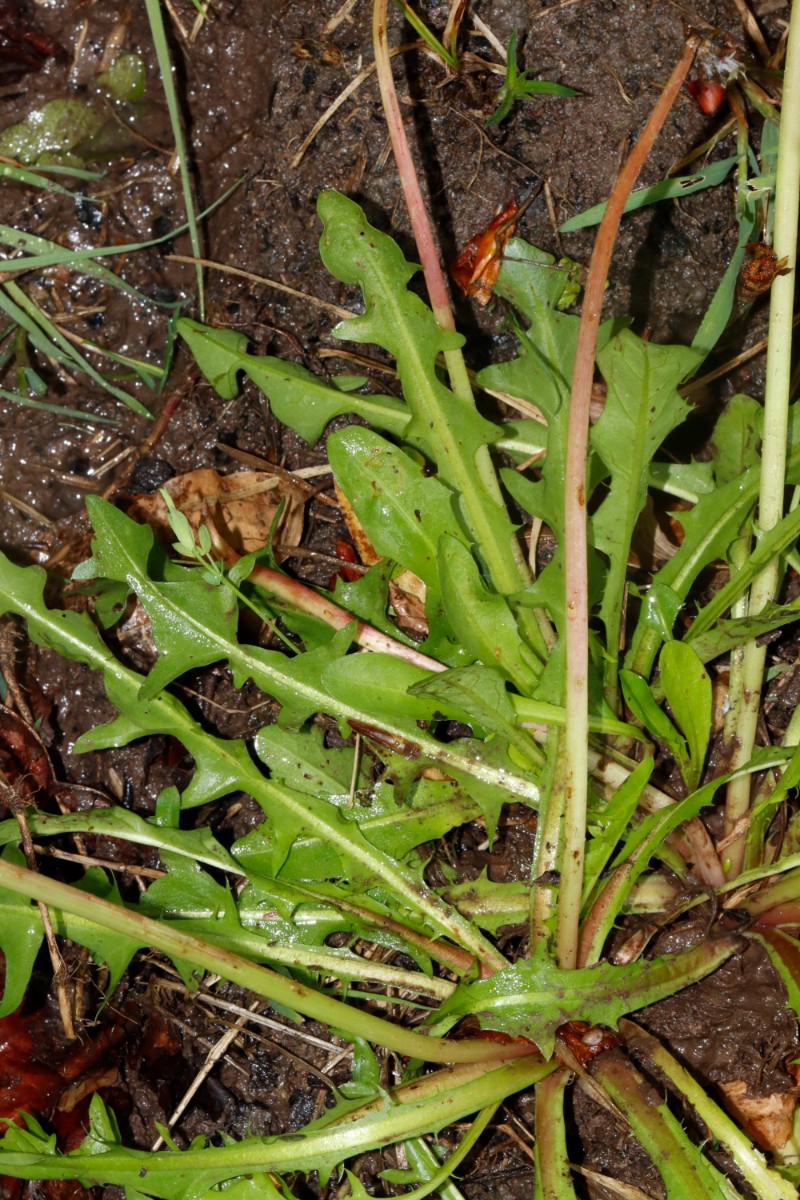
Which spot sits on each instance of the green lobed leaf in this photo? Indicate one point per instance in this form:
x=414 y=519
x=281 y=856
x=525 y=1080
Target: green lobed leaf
x=105 y=945
x=199 y=845
x=296 y=682
x=709 y=528
x=378 y=683
x=190 y=620
x=541 y=371
x=534 y=996
x=22 y=934
x=226 y=766
x=686 y=480
x=489 y=903
x=736 y=439
x=403 y=511
x=481 y=692
x=188 y=1174
x=298 y=399
x=642 y=407
x=480 y=619
x=300 y=759
x=445 y=426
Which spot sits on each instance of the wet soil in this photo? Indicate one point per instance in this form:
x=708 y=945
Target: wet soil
x=253 y=84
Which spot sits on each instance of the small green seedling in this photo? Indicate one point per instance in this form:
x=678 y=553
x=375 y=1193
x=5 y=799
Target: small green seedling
x=518 y=85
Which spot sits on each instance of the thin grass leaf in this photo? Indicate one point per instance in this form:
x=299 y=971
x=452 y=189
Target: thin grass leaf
x=19 y=174
x=428 y=37
x=47 y=338
x=76 y=259
x=44 y=406
x=154 y=16
x=70 y=171
x=667 y=189
x=323 y=1148
x=33 y=245
x=719 y=310
x=769 y=546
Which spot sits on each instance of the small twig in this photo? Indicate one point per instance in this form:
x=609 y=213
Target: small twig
x=8 y=658
x=340 y=15
x=753 y=31
x=181 y=28
x=546 y=12
x=211 y=1000
x=108 y=864
x=689 y=389
x=297 y=478
x=28 y=509
x=352 y=86
x=483 y=29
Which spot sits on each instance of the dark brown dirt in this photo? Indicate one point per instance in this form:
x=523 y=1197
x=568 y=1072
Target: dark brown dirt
x=249 y=101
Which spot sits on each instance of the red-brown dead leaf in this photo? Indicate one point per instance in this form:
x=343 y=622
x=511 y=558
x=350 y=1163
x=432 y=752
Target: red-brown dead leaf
x=758 y=271
x=766 y=1119
x=477 y=266
x=24 y=760
x=23 y=47
x=25 y=765
x=586 y=1041
x=53 y=1082
x=243 y=507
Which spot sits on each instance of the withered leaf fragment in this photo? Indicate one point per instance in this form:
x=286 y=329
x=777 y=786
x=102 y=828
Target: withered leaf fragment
x=477 y=266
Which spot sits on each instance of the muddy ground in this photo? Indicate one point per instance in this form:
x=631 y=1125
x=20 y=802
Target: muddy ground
x=253 y=84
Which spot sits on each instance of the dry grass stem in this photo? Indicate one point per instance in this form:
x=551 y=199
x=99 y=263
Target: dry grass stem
x=272 y=283
x=26 y=508
x=483 y=29
x=352 y=87
x=218 y=1051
